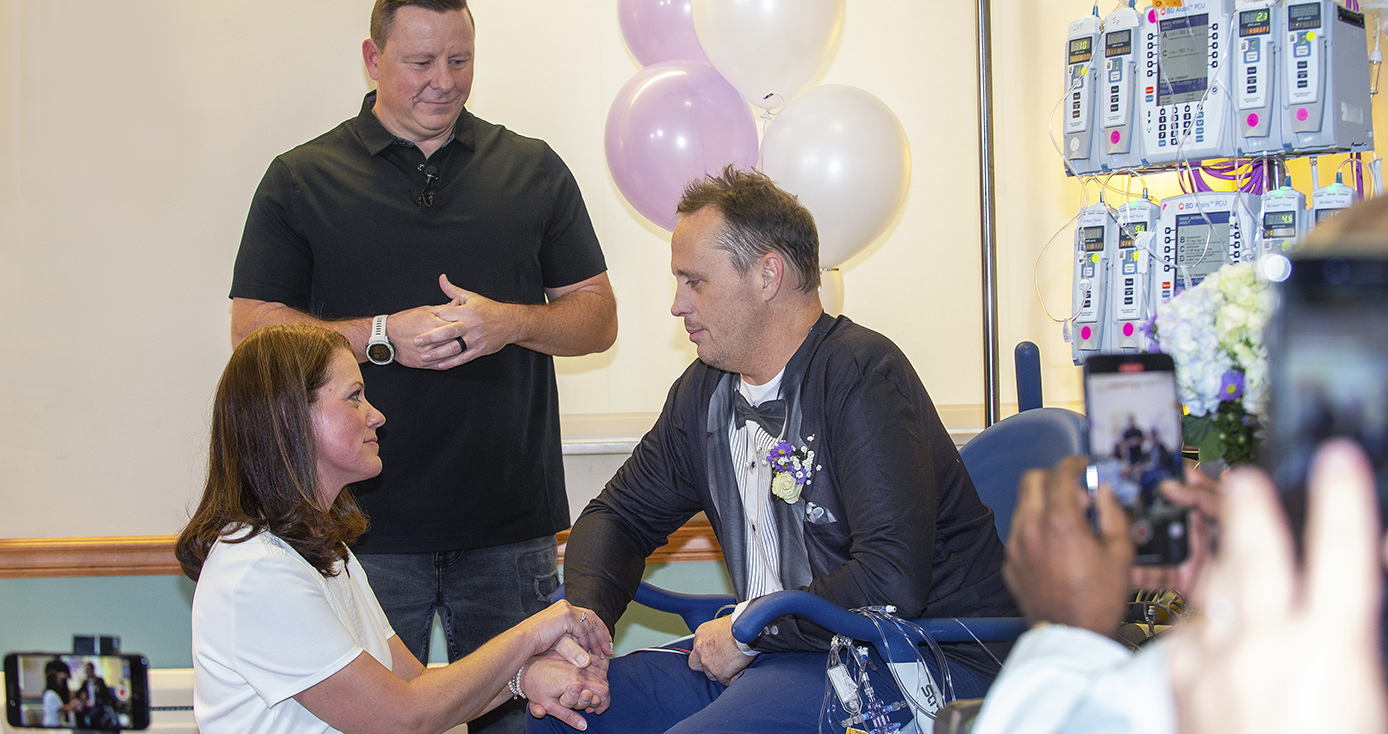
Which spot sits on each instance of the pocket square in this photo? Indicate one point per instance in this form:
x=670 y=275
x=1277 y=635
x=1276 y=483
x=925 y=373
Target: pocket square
x=816 y=515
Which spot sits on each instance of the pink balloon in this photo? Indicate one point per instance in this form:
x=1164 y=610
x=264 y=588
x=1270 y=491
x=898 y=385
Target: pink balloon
x=673 y=122
x=659 y=30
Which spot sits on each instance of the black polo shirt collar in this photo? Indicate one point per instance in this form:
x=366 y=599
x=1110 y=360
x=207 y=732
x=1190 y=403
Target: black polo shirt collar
x=377 y=138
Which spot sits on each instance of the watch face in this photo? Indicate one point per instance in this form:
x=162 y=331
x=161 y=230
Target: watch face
x=379 y=353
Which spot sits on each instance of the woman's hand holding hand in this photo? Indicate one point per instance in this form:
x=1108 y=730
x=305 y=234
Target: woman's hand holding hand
x=556 y=687
x=573 y=631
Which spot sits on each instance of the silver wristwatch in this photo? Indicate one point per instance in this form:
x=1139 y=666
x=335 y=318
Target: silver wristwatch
x=378 y=347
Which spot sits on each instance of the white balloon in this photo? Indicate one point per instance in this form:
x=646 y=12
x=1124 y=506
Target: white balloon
x=767 y=49
x=845 y=154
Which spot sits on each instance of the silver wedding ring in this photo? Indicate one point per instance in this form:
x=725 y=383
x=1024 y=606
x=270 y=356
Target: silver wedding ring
x=583 y=617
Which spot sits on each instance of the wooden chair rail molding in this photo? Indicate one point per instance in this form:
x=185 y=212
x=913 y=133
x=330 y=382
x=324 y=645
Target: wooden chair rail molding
x=152 y=555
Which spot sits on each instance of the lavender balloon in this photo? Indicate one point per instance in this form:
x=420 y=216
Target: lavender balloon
x=659 y=30
x=673 y=122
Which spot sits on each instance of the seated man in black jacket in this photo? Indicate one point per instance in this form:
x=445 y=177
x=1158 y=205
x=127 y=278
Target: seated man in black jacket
x=818 y=457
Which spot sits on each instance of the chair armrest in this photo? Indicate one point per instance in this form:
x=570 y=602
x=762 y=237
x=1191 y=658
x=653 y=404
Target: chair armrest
x=764 y=610
x=694 y=609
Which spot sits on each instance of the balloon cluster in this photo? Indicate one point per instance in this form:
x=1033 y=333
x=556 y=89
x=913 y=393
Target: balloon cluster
x=686 y=114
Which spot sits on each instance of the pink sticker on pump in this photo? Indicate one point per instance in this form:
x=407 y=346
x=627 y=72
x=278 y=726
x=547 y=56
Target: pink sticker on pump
x=1085 y=333
x=1301 y=114
x=1114 y=137
x=1152 y=15
x=1127 y=329
x=1253 y=119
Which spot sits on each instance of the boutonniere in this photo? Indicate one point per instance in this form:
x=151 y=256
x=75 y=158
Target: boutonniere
x=791 y=469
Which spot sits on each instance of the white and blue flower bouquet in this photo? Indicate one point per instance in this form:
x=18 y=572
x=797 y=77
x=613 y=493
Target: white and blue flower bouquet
x=1214 y=332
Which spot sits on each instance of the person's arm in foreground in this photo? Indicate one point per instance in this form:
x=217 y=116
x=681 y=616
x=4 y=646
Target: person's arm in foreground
x=1280 y=649
x=367 y=697
x=1072 y=584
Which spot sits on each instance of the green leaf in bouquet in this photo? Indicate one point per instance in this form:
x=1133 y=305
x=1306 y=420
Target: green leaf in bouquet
x=1194 y=428
x=1211 y=446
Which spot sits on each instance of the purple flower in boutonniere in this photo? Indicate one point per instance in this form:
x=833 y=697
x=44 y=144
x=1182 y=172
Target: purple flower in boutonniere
x=791 y=470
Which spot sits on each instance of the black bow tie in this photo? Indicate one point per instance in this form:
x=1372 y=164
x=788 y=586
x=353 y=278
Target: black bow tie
x=770 y=415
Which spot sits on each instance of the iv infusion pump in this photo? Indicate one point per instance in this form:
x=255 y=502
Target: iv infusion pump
x=1255 y=89
x=1198 y=234
x=1325 y=79
x=1096 y=240
x=1081 y=84
x=1215 y=79
x=1185 y=81
x=1112 y=286
x=1129 y=262
x=1284 y=221
x=1130 y=303
x=1116 y=92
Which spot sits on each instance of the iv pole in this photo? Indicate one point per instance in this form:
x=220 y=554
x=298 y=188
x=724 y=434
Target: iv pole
x=988 y=212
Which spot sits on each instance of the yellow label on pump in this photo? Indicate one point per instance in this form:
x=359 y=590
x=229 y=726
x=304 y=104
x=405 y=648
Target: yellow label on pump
x=1166 y=4
x=1094 y=258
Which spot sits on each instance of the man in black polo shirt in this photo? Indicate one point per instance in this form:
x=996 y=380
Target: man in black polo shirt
x=473 y=246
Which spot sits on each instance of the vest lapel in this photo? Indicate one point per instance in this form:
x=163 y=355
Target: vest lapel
x=727 y=501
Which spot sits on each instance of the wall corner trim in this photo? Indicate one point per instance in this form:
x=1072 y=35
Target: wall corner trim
x=152 y=555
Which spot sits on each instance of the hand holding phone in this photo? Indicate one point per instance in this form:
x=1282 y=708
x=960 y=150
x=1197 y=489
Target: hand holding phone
x=1134 y=445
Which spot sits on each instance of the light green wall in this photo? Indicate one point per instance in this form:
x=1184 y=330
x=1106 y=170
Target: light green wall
x=151 y=613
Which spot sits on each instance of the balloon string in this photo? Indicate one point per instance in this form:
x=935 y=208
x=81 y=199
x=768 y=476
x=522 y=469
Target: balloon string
x=765 y=117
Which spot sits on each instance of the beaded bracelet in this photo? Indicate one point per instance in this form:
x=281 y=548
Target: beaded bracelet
x=515 y=684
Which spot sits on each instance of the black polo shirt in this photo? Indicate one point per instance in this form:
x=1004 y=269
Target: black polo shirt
x=357 y=223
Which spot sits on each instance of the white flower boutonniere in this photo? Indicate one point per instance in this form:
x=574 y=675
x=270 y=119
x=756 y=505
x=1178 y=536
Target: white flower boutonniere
x=791 y=469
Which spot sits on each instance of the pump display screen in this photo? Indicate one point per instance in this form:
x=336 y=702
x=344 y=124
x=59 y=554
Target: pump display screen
x=1201 y=242
x=1081 y=49
x=1182 y=74
x=1127 y=234
x=1118 y=43
x=1301 y=17
x=1279 y=224
x=1324 y=214
x=1093 y=239
x=1255 y=22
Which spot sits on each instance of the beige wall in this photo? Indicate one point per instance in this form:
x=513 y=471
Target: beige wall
x=134 y=133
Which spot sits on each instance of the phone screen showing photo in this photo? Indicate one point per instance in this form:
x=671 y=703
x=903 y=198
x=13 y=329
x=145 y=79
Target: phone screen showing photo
x=1135 y=445
x=1134 y=432
x=64 y=691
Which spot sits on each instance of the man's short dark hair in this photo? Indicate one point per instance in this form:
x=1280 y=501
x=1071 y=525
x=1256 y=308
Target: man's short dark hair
x=383 y=15
x=758 y=217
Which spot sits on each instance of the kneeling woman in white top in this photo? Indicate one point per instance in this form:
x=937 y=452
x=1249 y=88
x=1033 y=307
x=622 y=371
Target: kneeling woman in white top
x=287 y=635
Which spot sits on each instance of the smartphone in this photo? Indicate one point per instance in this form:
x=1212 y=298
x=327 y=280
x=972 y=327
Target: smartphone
x=1134 y=445
x=1328 y=370
x=55 y=690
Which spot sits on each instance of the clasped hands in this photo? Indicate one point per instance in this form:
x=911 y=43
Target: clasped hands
x=571 y=675
x=427 y=337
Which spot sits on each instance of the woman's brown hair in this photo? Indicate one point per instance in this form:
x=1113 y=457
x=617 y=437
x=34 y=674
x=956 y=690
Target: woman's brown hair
x=261 y=471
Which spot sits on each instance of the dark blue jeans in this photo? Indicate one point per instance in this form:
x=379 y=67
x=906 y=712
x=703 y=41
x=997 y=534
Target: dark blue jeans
x=779 y=693
x=478 y=594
